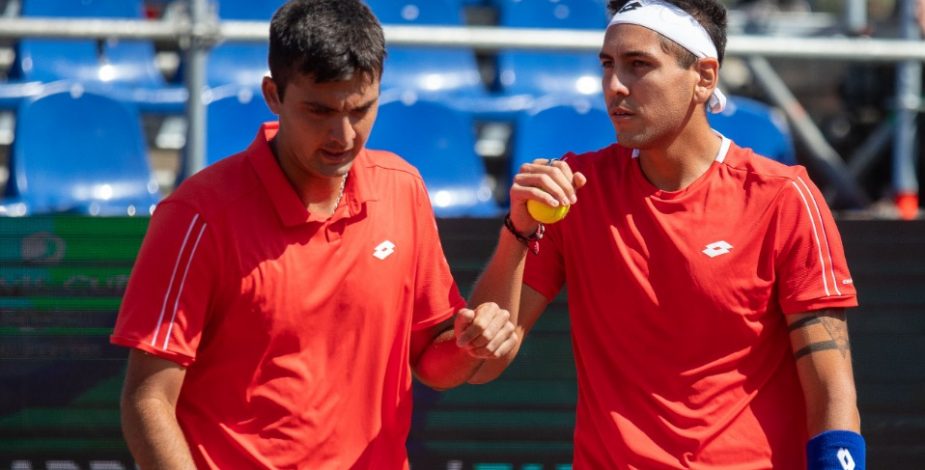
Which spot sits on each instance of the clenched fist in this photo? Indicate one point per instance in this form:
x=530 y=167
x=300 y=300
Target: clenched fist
x=486 y=332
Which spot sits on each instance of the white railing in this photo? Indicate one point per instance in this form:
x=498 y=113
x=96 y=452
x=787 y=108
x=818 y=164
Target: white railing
x=200 y=31
x=473 y=37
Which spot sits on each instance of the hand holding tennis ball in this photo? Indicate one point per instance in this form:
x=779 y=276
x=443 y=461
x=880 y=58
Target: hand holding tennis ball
x=546 y=214
x=543 y=192
x=551 y=185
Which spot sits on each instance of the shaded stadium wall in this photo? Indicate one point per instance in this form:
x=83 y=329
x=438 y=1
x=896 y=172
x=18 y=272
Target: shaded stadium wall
x=61 y=279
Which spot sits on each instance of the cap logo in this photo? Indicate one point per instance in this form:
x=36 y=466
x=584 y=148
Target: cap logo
x=629 y=7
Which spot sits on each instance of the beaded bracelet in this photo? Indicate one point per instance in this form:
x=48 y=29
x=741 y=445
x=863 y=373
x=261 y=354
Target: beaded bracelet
x=532 y=241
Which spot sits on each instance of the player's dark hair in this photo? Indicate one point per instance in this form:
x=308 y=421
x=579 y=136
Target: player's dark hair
x=329 y=40
x=711 y=14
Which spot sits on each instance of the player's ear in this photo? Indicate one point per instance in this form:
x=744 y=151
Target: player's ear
x=271 y=94
x=707 y=70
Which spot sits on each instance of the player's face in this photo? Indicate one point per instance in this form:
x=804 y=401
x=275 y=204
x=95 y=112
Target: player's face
x=649 y=96
x=323 y=126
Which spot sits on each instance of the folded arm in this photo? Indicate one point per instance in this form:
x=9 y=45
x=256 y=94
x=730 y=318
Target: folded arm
x=480 y=344
x=448 y=354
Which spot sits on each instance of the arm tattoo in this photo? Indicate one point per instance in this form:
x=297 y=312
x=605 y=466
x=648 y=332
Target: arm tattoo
x=820 y=346
x=810 y=320
x=833 y=321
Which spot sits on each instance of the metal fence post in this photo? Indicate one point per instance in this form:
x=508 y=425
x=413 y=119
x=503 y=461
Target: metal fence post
x=196 y=55
x=908 y=90
x=856 y=16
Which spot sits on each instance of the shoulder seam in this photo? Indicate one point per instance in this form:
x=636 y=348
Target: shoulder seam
x=784 y=178
x=219 y=204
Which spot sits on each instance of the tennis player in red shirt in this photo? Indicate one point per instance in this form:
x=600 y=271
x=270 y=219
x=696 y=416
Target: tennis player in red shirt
x=707 y=285
x=284 y=296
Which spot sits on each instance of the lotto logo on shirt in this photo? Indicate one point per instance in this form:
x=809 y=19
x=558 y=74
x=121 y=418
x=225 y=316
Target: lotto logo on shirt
x=384 y=250
x=717 y=248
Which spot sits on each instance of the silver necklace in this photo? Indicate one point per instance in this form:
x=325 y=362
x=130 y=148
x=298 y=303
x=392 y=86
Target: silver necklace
x=343 y=184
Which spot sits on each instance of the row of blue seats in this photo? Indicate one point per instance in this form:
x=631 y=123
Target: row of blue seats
x=448 y=76
x=127 y=70
x=78 y=151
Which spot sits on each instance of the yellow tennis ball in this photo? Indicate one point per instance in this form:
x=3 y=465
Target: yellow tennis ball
x=544 y=213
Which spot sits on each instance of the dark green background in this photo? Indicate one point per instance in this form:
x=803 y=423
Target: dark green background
x=61 y=279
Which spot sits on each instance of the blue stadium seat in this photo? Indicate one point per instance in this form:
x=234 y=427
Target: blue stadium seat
x=81 y=152
x=432 y=72
x=13 y=93
x=233 y=118
x=580 y=125
x=753 y=124
x=244 y=10
x=565 y=14
x=240 y=63
x=124 y=69
x=47 y=60
x=554 y=129
x=523 y=72
x=440 y=142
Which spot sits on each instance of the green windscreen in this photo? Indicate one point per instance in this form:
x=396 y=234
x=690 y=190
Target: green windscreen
x=61 y=282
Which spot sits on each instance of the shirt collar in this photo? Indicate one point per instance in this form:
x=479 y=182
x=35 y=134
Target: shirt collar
x=289 y=207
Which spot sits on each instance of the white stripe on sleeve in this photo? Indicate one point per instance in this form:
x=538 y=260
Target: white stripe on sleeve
x=812 y=221
x=173 y=276
x=176 y=303
x=825 y=238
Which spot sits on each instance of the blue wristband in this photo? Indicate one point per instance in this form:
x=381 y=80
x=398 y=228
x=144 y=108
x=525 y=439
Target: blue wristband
x=836 y=450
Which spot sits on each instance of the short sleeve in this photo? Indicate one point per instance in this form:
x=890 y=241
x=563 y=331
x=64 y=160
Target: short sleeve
x=436 y=296
x=164 y=309
x=812 y=271
x=545 y=271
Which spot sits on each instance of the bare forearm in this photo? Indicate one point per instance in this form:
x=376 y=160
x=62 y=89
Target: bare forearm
x=501 y=282
x=823 y=356
x=831 y=402
x=502 y=278
x=154 y=437
x=833 y=413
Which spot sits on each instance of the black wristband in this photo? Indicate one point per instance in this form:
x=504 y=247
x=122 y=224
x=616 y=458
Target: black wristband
x=532 y=241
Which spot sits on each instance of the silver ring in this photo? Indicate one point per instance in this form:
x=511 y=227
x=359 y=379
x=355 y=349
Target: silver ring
x=551 y=161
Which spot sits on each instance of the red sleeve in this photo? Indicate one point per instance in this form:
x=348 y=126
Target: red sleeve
x=545 y=272
x=436 y=295
x=163 y=311
x=811 y=268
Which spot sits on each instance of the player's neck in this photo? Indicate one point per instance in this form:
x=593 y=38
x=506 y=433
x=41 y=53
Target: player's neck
x=324 y=195
x=678 y=164
x=319 y=194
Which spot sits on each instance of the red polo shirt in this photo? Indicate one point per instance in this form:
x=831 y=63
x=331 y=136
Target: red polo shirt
x=677 y=302
x=294 y=328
